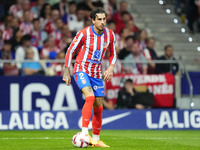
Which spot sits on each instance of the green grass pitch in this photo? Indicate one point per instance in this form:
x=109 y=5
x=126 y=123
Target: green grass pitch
x=117 y=139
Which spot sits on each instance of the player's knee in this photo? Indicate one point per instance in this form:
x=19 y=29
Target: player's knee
x=98 y=102
x=90 y=99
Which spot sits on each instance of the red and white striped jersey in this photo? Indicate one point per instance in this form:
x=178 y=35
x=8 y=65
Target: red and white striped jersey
x=49 y=27
x=13 y=10
x=26 y=28
x=57 y=35
x=107 y=7
x=7 y=34
x=146 y=53
x=91 y=51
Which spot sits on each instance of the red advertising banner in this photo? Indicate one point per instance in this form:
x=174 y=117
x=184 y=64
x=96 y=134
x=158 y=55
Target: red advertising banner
x=161 y=85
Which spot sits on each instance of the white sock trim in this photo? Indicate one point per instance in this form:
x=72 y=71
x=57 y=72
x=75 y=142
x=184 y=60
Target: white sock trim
x=84 y=130
x=95 y=137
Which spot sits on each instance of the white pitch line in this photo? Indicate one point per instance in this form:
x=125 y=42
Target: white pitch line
x=142 y=138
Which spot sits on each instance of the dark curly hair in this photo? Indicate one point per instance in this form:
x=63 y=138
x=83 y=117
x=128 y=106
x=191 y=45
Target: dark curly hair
x=42 y=11
x=96 y=11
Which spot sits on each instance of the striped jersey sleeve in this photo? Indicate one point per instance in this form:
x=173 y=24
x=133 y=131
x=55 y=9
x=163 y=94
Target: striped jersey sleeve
x=113 y=54
x=75 y=45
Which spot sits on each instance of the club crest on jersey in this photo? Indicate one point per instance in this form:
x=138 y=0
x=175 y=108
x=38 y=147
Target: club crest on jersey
x=105 y=45
x=83 y=81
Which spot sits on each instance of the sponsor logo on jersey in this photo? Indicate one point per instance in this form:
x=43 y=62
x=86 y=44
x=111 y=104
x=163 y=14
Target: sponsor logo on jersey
x=98 y=87
x=93 y=61
x=97 y=54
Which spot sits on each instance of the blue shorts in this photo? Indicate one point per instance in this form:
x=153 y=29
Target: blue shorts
x=82 y=80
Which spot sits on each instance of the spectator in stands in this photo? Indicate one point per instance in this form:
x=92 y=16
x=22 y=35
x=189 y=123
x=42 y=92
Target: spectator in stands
x=198 y=18
x=38 y=35
x=110 y=8
x=1 y=40
x=191 y=13
x=51 y=25
x=142 y=37
x=16 y=39
x=117 y=17
x=26 y=26
x=107 y=104
x=25 y=7
x=117 y=68
x=127 y=50
x=87 y=5
x=6 y=28
x=127 y=97
x=30 y=68
x=62 y=7
x=113 y=4
x=15 y=23
x=87 y=23
x=125 y=17
x=7 y=53
x=78 y=23
x=121 y=42
x=112 y=25
x=58 y=68
x=132 y=28
x=36 y=9
x=50 y=51
x=14 y=9
x=45 y=15
x=21 y=50
x=57 y=34
x=167 y=68
x=71 y=15
x=6 y=22
x=150 y=54
x=2 y=11
x=66 y=38
x=130 y=65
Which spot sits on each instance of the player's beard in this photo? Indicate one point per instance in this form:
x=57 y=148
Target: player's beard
x=101 y=28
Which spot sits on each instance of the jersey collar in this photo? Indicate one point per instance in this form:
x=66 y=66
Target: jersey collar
x=95 y=32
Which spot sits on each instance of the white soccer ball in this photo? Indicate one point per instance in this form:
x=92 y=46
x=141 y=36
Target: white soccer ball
x=80 y=140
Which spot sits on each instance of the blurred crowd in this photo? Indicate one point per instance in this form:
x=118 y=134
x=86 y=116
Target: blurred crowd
x=189 y=10
x=43 y=29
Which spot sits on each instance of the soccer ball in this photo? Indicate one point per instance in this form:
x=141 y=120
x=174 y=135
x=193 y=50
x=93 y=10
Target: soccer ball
x=80 y=140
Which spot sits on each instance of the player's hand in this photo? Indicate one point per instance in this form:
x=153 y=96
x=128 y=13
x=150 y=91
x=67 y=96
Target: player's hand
x=66 y=76
x=67 y=81
x=108 y=74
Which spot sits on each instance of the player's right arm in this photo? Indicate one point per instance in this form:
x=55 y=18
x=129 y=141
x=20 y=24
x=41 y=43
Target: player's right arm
x=75 y=45
x=66 y=76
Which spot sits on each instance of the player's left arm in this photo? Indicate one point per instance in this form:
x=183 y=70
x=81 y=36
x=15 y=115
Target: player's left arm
x=108 y=74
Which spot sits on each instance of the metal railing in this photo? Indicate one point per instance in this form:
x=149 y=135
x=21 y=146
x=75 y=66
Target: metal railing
x=189 y=82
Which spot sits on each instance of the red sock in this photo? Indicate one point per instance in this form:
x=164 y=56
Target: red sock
x=97 y=120
x=87 y=111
